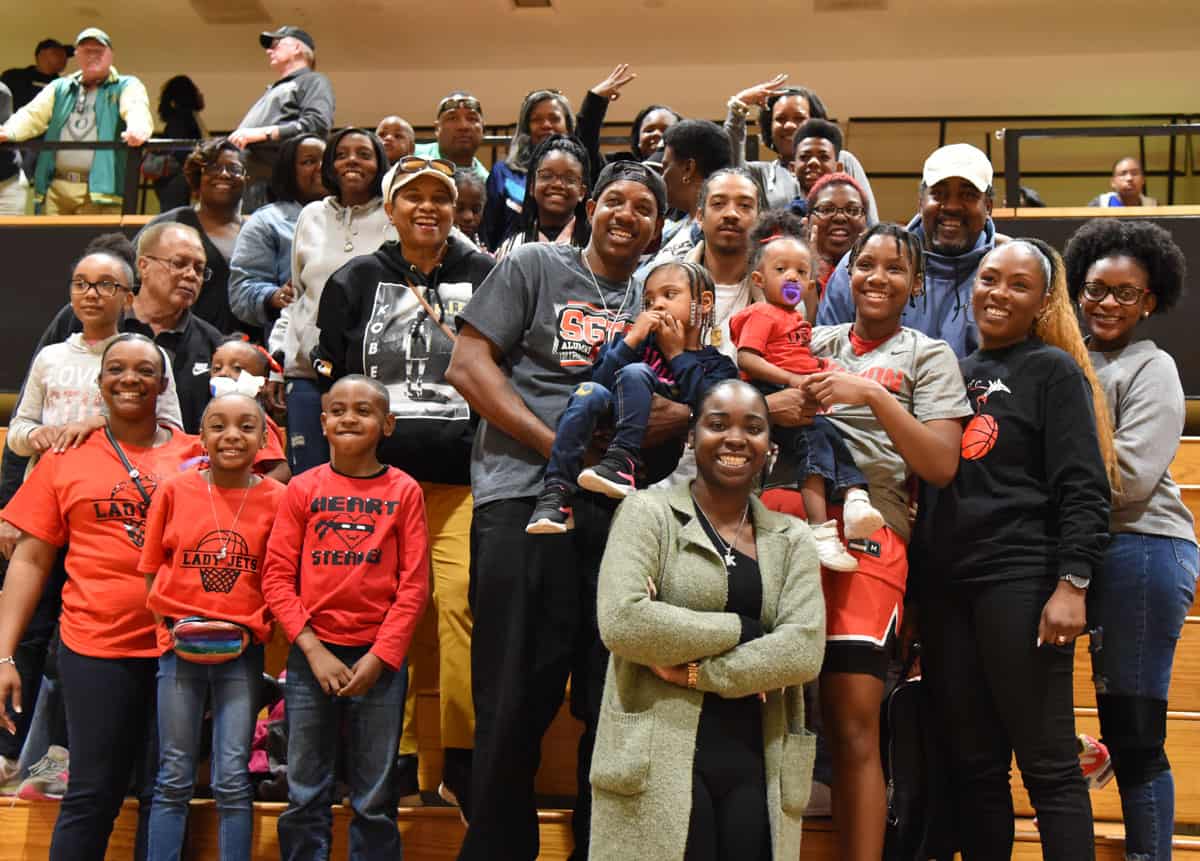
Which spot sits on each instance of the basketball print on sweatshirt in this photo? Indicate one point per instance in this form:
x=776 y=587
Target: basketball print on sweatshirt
x=982 y=431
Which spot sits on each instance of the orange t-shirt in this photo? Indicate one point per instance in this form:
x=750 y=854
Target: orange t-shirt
x=84 y=496
x=183 y=550
x=780 y=335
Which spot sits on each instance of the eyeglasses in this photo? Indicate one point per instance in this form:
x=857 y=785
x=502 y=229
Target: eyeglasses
x=105 y=287
x=570 y=180
x=180 y=266
x=217 y=168
x=828 y=210
x=416 y=164
x=451 y=103
x=1125 y=294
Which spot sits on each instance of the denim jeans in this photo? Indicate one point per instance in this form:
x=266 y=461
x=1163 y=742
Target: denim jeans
x=372 y=724
x=635 y=387
x=307 y=446
x=110 y=712
x=183 y=690
x=1140 y=600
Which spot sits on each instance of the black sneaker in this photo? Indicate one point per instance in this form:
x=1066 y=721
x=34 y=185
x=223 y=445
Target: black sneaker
x=408 y=787
x=615 y=475
x=552 y=515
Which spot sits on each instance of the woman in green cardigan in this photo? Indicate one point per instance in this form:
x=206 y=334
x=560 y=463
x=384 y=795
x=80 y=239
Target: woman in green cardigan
x=711 y=606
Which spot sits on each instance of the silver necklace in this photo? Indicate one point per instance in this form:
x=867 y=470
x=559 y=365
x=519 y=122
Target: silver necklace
x=725 y=550
x=226 y=533
x=599 y=292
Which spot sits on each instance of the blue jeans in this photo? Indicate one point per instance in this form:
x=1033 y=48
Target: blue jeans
x=307 y=446
x=1140 y=600
x=183 y=688
x=372 y=733
x=633 y=390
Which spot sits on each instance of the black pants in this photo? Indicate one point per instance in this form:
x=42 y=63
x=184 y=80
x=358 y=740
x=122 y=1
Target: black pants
x=533 y=598
x=729 y=820
x=110 y=713
x=998 y=694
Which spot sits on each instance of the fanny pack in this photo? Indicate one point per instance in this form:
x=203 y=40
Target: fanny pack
x=209 y=641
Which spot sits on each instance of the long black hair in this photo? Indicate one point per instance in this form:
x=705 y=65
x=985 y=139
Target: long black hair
x=329 y=175
x=530 y=217
x=519 y=154
x=816 y=110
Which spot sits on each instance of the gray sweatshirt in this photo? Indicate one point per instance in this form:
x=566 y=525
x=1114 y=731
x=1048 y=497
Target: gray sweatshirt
x=1146 y=400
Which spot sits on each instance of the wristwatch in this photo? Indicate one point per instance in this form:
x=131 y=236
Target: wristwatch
x=1075 y=580
x=693 y=674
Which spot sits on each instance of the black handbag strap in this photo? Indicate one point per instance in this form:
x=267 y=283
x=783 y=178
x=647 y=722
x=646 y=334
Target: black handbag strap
x=134 y=475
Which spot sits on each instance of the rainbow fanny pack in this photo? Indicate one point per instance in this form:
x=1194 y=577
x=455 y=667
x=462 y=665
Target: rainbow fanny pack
x=209 y=641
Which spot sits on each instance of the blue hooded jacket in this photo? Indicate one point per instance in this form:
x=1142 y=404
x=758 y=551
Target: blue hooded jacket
x=943 y=311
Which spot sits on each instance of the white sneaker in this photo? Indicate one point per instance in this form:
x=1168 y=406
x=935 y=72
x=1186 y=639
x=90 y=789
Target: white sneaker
x=860 y=518
x=830 y=549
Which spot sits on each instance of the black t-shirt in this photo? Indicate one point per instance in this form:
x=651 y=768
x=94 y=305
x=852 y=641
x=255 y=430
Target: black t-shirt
x=26 y=84
x=1031 y=496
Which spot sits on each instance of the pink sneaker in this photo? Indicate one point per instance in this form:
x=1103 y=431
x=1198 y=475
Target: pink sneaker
x=1095 y=762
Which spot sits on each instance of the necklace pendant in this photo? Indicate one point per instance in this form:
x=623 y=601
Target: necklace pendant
x=730 y=562
x=221 y=554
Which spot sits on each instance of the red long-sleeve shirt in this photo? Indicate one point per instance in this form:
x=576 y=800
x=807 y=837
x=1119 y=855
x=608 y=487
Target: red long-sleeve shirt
x=350 y=558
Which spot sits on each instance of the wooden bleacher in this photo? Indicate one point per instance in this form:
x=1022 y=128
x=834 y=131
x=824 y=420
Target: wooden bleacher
x=434 y=833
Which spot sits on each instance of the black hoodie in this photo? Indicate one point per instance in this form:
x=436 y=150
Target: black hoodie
x=373 y=323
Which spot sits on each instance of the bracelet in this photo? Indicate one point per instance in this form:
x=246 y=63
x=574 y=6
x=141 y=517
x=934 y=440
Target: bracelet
x=738 y=107
x=693 y=677
x=9 y=660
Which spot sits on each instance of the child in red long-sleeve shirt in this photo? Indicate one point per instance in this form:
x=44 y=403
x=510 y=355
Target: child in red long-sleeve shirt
x=347 y=576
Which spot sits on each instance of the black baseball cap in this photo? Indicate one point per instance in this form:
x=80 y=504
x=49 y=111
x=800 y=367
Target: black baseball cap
x=266 y=38
x=634 y=171
x=53 y=43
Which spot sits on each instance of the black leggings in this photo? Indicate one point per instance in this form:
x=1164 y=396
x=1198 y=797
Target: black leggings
x=110 y=711
x=997 y=693
x=729 y=820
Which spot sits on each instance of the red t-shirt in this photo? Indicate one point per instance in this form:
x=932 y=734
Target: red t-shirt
x=350 y=558
x=780 y=335
x=183 y=551
x=85 y=496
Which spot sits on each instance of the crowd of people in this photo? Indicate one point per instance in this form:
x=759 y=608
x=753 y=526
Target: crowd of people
x=705 y=437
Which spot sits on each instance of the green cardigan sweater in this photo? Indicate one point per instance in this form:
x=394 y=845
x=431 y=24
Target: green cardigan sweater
x=646 y=739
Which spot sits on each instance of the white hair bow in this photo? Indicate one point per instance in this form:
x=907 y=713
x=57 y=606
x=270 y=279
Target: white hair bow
x=246 y=384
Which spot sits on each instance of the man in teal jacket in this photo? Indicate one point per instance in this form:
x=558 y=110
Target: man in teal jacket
x=93 y=104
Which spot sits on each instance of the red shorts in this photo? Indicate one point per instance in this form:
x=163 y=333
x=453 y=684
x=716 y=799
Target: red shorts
x=864 y=606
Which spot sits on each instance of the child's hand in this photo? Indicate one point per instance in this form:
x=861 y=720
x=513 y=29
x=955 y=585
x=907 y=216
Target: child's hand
x=646 y=322
x=367 y=670
x=332 y=675
x=42 y=439
x=671 y=338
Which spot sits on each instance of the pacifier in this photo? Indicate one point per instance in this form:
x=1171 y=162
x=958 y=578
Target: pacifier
x=792 y=292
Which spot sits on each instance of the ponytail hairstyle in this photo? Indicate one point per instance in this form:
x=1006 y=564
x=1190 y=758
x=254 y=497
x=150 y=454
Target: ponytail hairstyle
x=530 y=217
x=699 y=282
x=1058 y=326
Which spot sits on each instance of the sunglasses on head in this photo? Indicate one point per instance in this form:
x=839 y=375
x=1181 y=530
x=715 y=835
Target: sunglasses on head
x=451 y=103
x=416 y=164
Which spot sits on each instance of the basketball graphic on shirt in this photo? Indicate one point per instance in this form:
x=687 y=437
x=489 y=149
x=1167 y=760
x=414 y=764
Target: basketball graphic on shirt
x=124 y=505
x=220 y=556
x=979 y=437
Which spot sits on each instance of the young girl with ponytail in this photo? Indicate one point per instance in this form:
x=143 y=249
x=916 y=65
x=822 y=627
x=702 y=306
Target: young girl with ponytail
x=1012 y=545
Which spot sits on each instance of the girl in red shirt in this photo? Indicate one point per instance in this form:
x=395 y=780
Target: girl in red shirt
x=95 y=497
x=206 y=538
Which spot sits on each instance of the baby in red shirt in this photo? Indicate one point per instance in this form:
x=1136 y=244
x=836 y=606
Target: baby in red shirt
x=772 y=339
x=347 y=576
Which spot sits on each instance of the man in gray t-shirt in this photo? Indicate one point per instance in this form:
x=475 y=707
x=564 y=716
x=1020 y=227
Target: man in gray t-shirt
x=525 y=341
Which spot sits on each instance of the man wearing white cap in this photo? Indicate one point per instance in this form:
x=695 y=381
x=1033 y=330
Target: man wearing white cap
x=955 y=226
x=93 y=104
x=299 y=102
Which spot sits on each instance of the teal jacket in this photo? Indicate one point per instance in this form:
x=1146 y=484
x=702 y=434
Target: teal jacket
x=106 y=182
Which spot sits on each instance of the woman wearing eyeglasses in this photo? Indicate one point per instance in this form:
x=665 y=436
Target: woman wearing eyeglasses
x=217 y=176
x=555 y=197
x=1121 y=272
x=837 y=216
x=348 y=223
x=392 y=315
x=543 y=113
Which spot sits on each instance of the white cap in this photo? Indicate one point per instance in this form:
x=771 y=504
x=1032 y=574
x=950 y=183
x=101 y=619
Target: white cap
x=410 y=167
x=961 y=160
